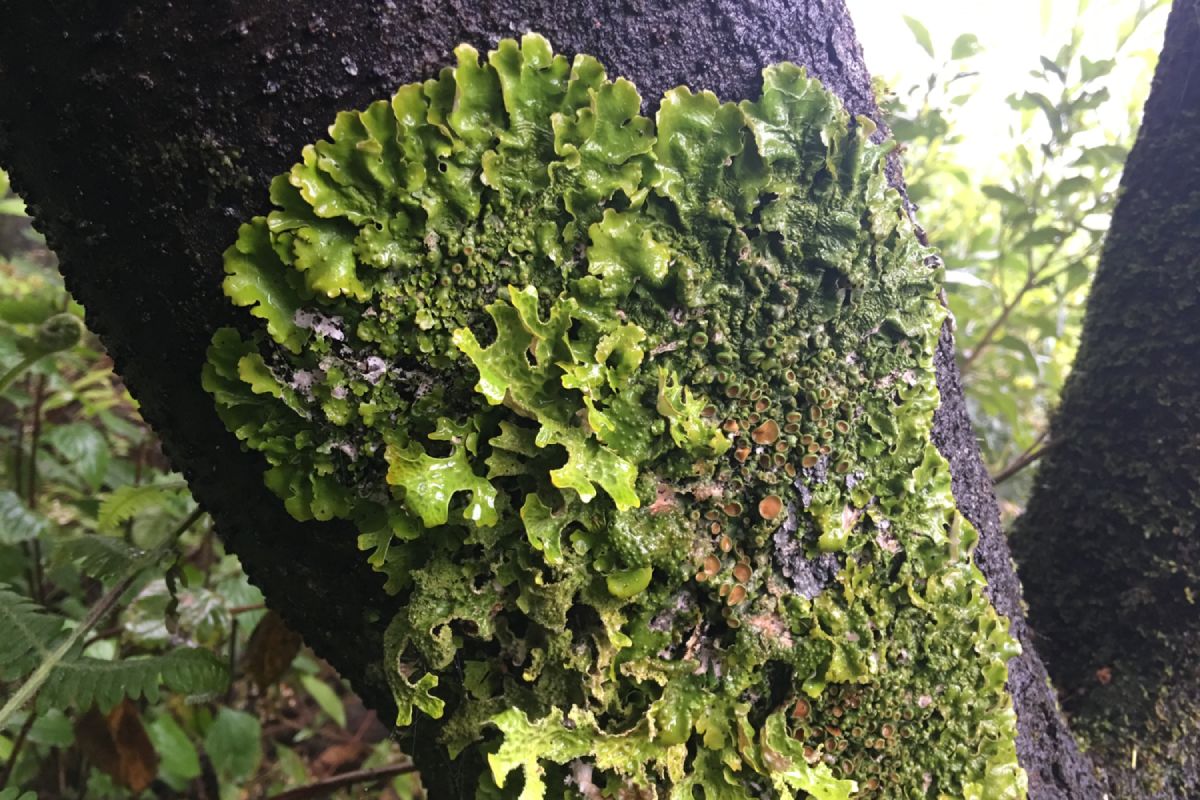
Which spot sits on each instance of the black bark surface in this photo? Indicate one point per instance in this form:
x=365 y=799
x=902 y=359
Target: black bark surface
x=143 y=133
x=1110 y=544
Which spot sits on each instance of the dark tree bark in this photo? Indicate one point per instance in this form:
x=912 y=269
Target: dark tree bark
x=143 y=133
x=1110 y=544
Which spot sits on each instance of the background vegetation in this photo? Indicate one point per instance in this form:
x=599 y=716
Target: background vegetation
x=142 y=662
x=1020 y=232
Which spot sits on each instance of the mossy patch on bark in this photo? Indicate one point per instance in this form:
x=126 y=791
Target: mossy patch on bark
x=597 y=392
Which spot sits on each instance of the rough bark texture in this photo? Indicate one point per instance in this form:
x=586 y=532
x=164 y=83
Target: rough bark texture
x=1110 y=544
x=142 y=134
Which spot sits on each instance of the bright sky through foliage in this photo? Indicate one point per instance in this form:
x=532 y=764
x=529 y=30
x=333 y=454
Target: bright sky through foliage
x=1014 y=35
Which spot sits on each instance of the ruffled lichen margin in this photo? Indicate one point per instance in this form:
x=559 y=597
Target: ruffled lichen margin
x=634 y=416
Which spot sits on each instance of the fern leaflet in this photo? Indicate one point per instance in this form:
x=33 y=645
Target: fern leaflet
x=101 y=557
x=79 y=681
x=129 y=501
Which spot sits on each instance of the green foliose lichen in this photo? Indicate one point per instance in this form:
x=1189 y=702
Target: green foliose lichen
x=634 y=415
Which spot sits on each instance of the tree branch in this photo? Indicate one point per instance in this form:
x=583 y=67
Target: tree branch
x=327 y=786
x=1031 y=454
x=994 y=328
x=18 y=743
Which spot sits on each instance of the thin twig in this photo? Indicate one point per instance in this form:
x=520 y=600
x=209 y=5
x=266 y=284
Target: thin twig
x=247 y=609
x=19 y=489
x=19 y=454
x=233 y=631
x=107 y=633
x=324 y=788
x=1025 y=459
x=1033 y=276
x=994 y=328
x=15 y=372
x=16 y=749
x=39 y=398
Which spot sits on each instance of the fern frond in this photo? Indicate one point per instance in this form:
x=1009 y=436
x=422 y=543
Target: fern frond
x=128 y=501
x=80 y=682
x=29 y=634
x=101 y=557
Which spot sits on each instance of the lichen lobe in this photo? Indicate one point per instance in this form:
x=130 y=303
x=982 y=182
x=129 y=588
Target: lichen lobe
x=634 y=416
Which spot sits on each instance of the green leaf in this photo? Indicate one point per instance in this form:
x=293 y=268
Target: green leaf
x=201 y=614
x=12 y=207
x=83 y=447
x=1017 y=345
x=234 y=744
x=1077 y=274
x=292 y=768
x=13 y=793
x=1088 y=101
x=1040 y=101
x=1091 y=70
x=33 y=308
x=920 y=33
x=326 y=698
x=1069 y=186
x=1039 y=237
x=19 y=523
x=178 y=760
x=127 y=502
x=965 y=46
x=29 y=634
x=1006 y=196
x=59 y=332
x=52 y=728
x=1050 y=66
x=1104 y=155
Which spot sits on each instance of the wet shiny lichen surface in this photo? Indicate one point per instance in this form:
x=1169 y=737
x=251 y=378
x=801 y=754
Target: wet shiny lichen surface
x=634 y=416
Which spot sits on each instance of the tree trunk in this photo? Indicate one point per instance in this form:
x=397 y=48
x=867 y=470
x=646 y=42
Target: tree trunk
x=1109 y=546
x=142 y=135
